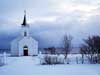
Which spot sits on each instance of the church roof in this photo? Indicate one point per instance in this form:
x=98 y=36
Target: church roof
x=24 y=21
x=20 y=39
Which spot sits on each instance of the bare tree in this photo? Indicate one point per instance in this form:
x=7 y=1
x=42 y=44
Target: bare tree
x=67 y=45
x=91 y=47
x=51 y=50
x=82 y=51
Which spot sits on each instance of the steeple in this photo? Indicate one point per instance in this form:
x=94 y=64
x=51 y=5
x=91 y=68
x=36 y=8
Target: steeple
x=24 y=21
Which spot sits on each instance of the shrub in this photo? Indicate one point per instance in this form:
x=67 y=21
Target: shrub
x=52 y=59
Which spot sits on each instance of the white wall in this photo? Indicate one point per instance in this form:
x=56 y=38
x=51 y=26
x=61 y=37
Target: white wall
x=32 y=46
x=14 y=48
x=18 y=44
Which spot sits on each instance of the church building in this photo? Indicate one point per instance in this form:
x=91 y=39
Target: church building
x=24 y=44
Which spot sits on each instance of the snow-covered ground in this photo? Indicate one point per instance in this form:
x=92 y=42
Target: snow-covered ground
x=30 y=66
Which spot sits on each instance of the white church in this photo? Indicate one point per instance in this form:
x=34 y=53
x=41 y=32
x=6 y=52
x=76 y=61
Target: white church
x=24 y=45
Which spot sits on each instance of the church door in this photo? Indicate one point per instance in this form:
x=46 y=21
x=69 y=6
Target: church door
x=25 y=51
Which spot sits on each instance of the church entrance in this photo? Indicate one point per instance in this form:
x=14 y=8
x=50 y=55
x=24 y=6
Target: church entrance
x=25 y=51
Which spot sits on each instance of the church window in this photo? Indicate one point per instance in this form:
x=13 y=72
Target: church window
x=25 y=46
x=25 y=34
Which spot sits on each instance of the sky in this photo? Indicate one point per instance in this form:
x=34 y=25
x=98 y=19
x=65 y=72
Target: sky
x=50 y=20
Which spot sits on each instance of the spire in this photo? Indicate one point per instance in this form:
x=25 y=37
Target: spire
x=24 y=21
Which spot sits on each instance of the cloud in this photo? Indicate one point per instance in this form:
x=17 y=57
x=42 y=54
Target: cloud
x=50 y=19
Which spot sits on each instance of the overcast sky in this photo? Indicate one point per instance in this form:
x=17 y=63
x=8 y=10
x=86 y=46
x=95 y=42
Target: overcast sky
x=49 y=20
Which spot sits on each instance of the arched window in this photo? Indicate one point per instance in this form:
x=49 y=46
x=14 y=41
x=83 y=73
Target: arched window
x=25 y=46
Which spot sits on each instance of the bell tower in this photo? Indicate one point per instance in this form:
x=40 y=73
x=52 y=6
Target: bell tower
x=25 y=26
